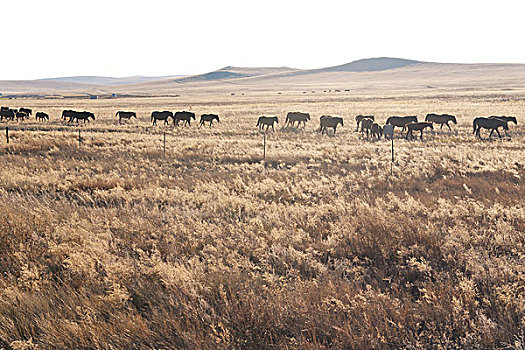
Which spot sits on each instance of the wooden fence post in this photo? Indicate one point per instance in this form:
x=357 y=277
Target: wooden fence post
x=7 y=133
x=79 y=139
x=164 y=143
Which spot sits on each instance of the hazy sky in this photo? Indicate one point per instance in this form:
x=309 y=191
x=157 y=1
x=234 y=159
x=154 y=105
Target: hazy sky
x=122 y=38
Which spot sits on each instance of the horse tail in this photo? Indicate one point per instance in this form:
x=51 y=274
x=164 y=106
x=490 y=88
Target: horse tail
x=474 y=125
x=116 y=114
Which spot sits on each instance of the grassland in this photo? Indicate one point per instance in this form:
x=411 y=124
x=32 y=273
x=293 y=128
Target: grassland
x=116 y=245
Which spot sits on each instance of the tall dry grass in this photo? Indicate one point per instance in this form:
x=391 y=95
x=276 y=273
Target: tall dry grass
x=116 y=245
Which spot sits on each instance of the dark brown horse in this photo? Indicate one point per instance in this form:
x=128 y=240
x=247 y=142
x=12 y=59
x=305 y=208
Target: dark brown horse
x=27 y=111
x=508 y=119
x=164 y=115
x=21 y=116
x=125 y=115
x=377 y=130
x=41 y=116
x=359 y=118
x=84 y=116
x=418 y=126
x=266 y=121
x=442 y=119
x=208 y=118
x=7 y=114
x=185 y=116
x=327 y=121
x=366 y=124
x=67 y=113
x=489 y=123
x=293 y=117
x=401 y=121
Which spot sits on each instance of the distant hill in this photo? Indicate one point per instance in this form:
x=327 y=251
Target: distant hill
x=231 y=72
x=371 y=65
x=371 y=74
x=108 y=81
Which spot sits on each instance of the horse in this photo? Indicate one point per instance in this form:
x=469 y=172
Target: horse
x=442 y=119
x=41 y=116
x=388 y=131
x=267 y=121
x=27 y=111
x=401 y=121
x=185 y=116
x=327 y=121
x=359 y=118
x=366 y=124
x=20 y=116
x=505 y=118
x=298 y=117
x=7 y=113
x=125 y=115
x=164 y=115
x=84 y=116
x=488 y=123
x=376 y=130
x=418 y=126
x=68 y=113
x=208 y=118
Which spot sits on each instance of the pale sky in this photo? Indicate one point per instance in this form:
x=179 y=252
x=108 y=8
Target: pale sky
x=55 y=38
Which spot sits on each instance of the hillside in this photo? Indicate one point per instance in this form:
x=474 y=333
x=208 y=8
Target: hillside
x=107 y=81
x=372 y=75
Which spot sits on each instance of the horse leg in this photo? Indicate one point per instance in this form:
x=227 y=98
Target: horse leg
x=449 y=128
x=498 y=133
x=442 y=126
x=490 y=135
x=421 y=137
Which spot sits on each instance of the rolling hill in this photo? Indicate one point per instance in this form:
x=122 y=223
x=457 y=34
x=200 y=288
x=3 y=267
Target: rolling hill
x=366 y=75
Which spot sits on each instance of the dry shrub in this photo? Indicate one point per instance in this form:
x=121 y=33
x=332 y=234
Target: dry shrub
x=115 y=244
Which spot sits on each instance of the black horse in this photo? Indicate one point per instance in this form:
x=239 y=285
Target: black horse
x=359 y=118
x=184 y=116
x=84 y=116
x=489 y=123
x=41 y=116
x=67 y=114
x=27 y=111
x=208 y=118
x=164 y=115
x=7 y=114
x=125 y=115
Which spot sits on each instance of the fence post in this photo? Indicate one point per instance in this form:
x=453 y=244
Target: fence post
x=7 y=133
x=79 y=139
x=164 y=143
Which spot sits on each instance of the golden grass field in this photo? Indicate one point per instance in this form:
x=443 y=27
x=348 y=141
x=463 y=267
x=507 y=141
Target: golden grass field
x=114 y=245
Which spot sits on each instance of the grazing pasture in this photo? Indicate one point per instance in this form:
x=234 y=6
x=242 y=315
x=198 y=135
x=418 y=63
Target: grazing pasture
x=115 y=244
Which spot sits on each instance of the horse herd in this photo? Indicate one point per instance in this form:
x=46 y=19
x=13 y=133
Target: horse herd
x=374 y=129
x=367 y=123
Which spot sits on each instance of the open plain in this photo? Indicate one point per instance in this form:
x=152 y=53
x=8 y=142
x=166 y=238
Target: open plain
x=115 y=243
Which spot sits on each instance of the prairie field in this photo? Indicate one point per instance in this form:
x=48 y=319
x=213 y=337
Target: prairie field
x=326 y=244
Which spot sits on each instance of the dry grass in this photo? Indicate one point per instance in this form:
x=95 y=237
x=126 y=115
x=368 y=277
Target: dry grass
x=114 y=245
